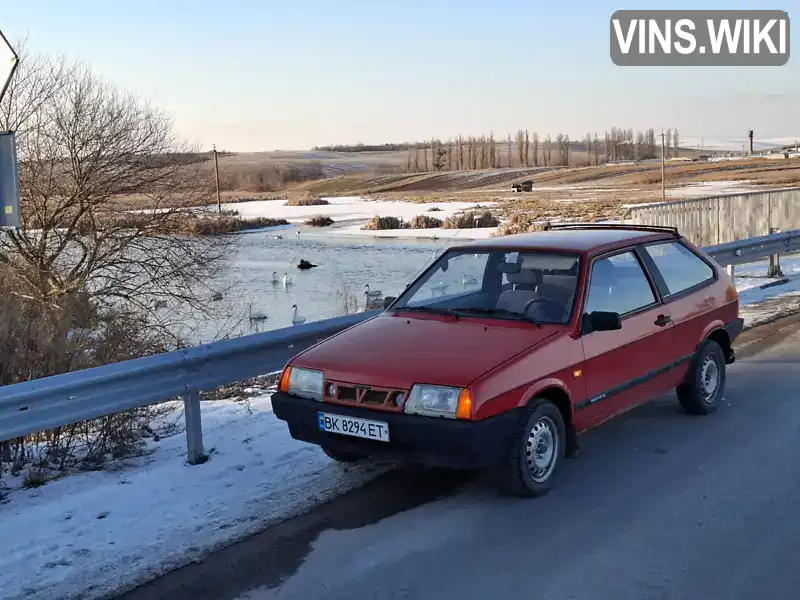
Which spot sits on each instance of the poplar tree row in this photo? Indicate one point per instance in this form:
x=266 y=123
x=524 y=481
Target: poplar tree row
x=528 y=150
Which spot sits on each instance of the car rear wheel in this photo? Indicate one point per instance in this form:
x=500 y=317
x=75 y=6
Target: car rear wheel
x=536 y=452
x=342 y=456
x=702 y=391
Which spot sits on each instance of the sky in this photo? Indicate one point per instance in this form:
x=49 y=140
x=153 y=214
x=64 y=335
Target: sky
x=250 y=75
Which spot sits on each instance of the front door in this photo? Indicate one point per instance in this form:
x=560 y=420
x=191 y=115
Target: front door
x=627 y=366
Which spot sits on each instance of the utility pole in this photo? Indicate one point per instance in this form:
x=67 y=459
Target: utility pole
x=216 y=176
x=663 y=186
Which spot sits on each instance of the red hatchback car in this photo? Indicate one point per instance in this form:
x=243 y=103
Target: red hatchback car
x=502 y=352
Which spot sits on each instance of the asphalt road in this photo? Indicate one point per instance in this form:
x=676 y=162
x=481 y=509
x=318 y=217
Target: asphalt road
x=661 y=506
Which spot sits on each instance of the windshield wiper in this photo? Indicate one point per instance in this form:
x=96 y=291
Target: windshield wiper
x=497 y=312
x=430 y=309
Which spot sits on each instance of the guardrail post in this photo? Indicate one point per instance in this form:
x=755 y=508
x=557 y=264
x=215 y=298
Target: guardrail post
x=774 y=269
x=194 y=428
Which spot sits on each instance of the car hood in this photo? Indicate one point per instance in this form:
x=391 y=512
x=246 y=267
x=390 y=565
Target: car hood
x=398 y=350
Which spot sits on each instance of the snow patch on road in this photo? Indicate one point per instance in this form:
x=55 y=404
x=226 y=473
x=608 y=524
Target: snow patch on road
x=91 y=534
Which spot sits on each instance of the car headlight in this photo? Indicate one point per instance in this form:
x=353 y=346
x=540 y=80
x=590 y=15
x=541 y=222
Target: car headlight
x=306 y=383
x=435 y=401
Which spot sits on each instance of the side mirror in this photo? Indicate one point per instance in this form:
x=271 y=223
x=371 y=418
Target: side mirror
x=600 y=321
x=387 y=301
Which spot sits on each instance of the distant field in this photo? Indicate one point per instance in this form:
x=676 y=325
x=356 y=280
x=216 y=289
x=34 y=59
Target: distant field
x=622 y=177
x=575 y=192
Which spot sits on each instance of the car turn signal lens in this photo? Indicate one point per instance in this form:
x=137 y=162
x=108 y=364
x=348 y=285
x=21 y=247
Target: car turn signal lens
x=464 y=409
x=285 y=377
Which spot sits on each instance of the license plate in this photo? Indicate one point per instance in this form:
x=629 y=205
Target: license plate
x=363 y=428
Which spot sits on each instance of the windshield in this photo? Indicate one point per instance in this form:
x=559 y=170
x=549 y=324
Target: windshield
x=530 y=285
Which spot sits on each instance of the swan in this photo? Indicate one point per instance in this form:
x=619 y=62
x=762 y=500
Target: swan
x=286 y=280
x=372 y=299
x=295 y=319
x=274 y=277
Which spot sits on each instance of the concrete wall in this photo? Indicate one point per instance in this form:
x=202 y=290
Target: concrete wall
x=719 y=219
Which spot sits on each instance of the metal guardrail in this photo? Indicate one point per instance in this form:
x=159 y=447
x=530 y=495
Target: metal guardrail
x=60 y=400
x=752 y=249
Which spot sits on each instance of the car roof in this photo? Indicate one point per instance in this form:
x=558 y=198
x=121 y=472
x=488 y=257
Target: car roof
x=574 y=240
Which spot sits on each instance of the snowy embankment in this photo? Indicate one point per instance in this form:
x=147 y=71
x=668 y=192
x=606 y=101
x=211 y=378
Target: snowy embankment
x=90 y=534
x=350 y=213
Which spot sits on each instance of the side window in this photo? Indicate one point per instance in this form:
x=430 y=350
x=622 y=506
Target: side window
x=619 y=284
x=680 y=267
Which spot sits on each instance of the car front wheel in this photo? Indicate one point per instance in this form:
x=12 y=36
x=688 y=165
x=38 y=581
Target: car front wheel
x=536 y=452
x=701 y=393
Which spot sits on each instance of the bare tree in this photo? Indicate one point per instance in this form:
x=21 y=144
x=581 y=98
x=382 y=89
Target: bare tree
x=87 y=151
x=82 y=273
x=548 y=148
x=527 y=149
x=449 y=154
x=587 y=142
x=640 y=145
x=676 y=143
x=535 y=149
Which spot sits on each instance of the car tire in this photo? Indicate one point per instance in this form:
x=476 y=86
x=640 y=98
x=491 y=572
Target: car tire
x=701 y=392
x=342 y=456
x=528 y=472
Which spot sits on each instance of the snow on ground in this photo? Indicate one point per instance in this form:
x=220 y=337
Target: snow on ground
x=355 y=211
x=711 y=188
x=346 y=209
x=762 y=305
x=89 y=534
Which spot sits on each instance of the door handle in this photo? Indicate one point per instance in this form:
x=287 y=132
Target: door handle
x=662 y=320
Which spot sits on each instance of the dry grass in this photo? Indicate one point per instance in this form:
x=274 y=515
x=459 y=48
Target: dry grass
x=381 y=223
x=519 y=223
x=185 y=223
x=320 y=221
x=42 y=339
x=425 y=222
x=471 y=220
x=306 y=200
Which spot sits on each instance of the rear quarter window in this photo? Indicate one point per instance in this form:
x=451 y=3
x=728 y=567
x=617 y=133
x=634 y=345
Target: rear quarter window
x=680 y=268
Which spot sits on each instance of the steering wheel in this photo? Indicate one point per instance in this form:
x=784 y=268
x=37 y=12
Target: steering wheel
x=551 y=304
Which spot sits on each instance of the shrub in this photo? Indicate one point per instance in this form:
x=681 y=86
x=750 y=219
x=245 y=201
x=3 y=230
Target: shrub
x=306 y=201
x=434 y=209
x=425 y=222
x=319 y=221
x=381 y=223
x=471 y=220
x=520 y=223
x=184 y=223
x=220 y=225
x=40 y=339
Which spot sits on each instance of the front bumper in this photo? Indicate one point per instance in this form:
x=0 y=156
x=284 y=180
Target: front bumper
x=429 y=441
